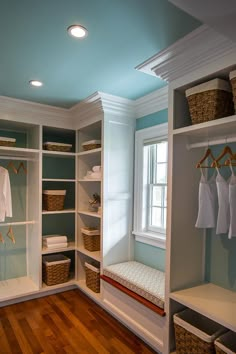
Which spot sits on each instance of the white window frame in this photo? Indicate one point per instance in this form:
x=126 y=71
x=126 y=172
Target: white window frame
x=155 y=133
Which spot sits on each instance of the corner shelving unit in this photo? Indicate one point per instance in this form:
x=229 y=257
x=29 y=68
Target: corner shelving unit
x=194 y=283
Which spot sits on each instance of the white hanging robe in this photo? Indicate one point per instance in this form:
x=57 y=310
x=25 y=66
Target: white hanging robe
x=223 y=218
x=207 y=203
x=5 y=194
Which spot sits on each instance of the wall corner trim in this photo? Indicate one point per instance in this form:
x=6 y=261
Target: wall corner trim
x=197 y=49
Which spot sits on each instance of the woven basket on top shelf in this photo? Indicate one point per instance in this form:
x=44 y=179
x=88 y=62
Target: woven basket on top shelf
x=53 y=200
x=91 y=144
x=55 y=269
x=195 y=333
x=209 y=101
x=7 y=141
x=92 y=277
x=226 y=344
x=91 y=238
x=232 y=77
x=53 y=146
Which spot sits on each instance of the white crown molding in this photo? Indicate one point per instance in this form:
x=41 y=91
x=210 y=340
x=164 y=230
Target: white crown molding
x=197 y=49
x=152 y=103
x=31 y=112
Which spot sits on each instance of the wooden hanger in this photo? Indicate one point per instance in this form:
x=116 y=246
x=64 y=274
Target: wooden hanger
x=208 y=153
x=11 y=235
x=226 y=151
x=21 y=165
x=1 y=238
x=231 y=161
x=12 y=166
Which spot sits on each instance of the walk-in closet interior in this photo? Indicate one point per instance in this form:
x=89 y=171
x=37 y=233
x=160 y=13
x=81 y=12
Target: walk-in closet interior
x=79 y=183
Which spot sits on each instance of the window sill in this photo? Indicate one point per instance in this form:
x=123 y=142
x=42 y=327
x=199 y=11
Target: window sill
x=151 y=238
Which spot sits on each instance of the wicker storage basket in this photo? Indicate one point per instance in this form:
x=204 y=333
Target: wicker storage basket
x=53 y=199
x=53 y=146
x=195 y=334
x=209 y=101
x=226 y=344
x=91 y=144
x=92 y=277
x=91 y=237
x=7 y=141
x=55 y=269
x=232 y=77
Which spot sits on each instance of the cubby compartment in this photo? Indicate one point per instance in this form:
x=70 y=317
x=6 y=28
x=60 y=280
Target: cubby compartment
x=85 y=194
x=67 y=187
x=59 y=224
x=26 y=135
x=58 y=139
x=81 y=271
x=70 y=254
x=56 y=168
x=89 y=133
x=83 y=222
x=86 y=163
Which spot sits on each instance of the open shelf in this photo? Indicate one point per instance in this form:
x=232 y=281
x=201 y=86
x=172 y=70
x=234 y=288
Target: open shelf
x=58 y=180
x=71 y=281
x=210 y=300
x=18 y=152
x=90 y=152
x=16 y=287
x=64 y=211
x=218 y=128
x=90 y=213
x=71 y=247
x=58 y=154
x=94 y=255
x=90 y=180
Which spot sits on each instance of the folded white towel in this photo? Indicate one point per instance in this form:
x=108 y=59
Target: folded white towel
x=56 y=245
x=96 y=168
x=50 y=239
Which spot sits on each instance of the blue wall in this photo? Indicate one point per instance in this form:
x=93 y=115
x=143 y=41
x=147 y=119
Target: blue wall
x=150 y=255
x=152 y=119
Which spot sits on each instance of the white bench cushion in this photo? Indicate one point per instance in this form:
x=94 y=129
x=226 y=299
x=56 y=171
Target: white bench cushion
x=141 y=279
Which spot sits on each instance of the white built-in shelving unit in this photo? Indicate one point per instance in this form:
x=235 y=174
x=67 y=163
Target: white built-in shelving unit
x=188 y=284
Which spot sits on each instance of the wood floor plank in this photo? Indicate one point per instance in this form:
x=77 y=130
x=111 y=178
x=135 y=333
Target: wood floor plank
x=64 y=323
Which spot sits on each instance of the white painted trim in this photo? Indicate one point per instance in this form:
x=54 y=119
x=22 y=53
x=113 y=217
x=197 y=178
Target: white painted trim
x=201 y=47
x=157 y=131
x=30 y=112
x=152 y=103
x=157 y=240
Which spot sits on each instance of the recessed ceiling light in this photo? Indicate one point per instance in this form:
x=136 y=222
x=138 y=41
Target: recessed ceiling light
x=35 y=83
x=77 y=31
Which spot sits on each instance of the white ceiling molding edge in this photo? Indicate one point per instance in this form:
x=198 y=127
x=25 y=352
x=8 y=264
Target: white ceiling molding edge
x=152 y=103
x=85 y=112
x=197 y=49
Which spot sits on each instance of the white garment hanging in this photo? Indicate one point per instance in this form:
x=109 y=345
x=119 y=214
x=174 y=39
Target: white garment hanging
x=5 y=194
x=223 y=218
x=207 y=202
x=232 y=204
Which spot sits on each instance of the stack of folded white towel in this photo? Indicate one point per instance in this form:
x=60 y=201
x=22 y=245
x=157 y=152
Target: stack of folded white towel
x=96 y=173
x=55 y=241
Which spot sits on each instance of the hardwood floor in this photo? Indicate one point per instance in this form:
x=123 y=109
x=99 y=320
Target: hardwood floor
x=67 y=322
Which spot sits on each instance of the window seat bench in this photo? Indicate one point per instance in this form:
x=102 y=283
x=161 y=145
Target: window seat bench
x=145 y=284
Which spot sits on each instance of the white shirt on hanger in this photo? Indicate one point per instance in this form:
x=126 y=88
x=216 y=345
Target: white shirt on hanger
x=5 y=194
x=223 y=218
x=207 y=203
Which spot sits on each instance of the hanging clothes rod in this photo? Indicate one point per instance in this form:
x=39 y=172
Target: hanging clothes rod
x=17 y=223
x=20 y=158
x=212 y=142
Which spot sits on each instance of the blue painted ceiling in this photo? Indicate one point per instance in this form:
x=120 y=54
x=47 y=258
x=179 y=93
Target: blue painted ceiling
x=122 y=34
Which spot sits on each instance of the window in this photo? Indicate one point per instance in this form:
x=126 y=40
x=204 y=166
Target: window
x=150 y=200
